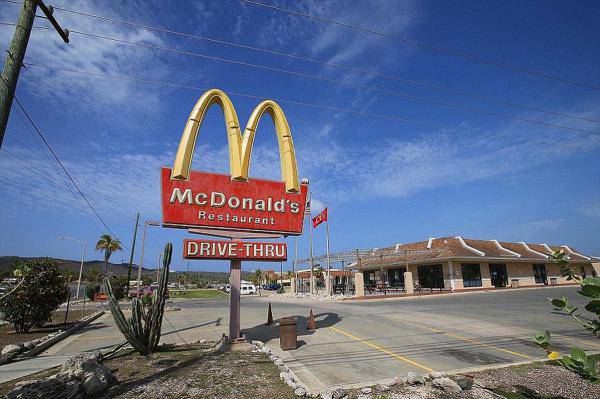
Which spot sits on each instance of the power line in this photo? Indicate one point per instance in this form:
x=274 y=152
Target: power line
x=334 y=81
x=293 y=102
x=61 y=164
x=424 y=45
x=322 y=62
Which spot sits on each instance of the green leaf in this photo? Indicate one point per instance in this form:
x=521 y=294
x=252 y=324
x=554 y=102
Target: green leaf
x=592 y=281
x=578 y=356
x=590 y=291
x=542 y=338
x=559 y=304
x=593 y=306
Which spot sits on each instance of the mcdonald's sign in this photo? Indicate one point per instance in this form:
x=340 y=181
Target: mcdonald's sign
x=193 y=199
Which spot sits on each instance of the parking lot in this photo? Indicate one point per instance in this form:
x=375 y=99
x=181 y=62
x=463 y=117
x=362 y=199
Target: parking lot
x=358 y=341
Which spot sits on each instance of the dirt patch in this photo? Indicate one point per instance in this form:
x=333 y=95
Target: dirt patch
x=9 y=336
x=193 y=373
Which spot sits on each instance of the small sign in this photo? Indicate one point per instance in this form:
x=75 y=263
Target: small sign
x=239 y=250
x=215 y=201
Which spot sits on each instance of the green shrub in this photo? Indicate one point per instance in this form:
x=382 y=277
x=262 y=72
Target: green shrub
x=41 y=293
x=91 y=289
x=119 y=286
x=578 y=362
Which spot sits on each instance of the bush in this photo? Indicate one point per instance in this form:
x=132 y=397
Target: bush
x=119 y=287
x=41 y=293
x=91 y=289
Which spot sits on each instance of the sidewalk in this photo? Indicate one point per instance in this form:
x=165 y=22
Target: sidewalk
x=25 y=367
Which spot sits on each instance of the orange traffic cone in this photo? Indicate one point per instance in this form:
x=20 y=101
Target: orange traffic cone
x=269 y=316
x=311 y=325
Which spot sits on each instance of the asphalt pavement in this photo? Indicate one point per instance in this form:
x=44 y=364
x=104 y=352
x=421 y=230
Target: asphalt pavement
x=371 y=340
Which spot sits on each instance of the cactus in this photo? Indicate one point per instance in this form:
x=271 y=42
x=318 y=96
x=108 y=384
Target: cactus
x=143 y=329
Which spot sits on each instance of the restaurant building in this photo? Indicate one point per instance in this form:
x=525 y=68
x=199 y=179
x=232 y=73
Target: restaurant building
x=456 y=263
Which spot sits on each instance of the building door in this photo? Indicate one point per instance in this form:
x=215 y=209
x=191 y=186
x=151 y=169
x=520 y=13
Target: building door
x=498 y=275
x=431 y=276
x=396 y=277
x=583 y=273
x=539 y=272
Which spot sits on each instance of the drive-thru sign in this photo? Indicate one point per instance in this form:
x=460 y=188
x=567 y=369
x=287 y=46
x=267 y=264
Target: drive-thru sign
x=234 y=206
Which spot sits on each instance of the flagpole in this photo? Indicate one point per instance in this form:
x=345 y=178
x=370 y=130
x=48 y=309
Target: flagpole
x=328 y=260
x=310 y=250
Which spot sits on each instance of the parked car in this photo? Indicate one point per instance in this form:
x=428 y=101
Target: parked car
x=226 y=288
x=271 y=287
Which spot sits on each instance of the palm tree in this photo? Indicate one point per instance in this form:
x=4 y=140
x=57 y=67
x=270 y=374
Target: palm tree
x=257 y=279
x=109 y=245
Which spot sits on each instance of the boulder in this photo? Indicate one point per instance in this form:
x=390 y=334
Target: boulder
x=258 y=344
x=301 y=392
x=366 y=390
x=278 y=362
x=79 y=364
x=435 y=374
x=97 y=381
x=465 y=382
x=10 y=350
x=447 y=385
x=284 y=376
x=415 y=378
x=339 y=393
x=326 y=394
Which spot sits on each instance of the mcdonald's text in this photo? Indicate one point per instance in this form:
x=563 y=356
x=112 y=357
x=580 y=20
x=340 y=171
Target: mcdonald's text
x=211 y=200
x=213 y=249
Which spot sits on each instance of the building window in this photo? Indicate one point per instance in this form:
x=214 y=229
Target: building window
x=471 y=274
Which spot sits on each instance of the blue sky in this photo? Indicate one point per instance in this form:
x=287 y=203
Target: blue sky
x=387 y=181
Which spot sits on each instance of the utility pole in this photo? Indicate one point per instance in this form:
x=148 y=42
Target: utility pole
x=137 y=220
x=16 y=54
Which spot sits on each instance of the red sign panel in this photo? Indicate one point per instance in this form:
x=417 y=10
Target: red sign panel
x=240 y=250
x=211 y=200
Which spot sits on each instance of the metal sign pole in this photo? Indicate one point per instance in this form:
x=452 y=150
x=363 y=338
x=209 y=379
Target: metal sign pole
x=235 y=277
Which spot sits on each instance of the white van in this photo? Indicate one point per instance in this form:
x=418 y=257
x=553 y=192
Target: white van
x=247 y=289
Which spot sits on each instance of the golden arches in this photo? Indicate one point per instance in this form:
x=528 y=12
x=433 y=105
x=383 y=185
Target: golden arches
x=240 y=147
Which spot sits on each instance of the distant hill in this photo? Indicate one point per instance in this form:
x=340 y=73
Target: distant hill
x=7 y=266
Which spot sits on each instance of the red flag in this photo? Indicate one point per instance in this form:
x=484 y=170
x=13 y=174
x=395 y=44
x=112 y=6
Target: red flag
x=320 y=218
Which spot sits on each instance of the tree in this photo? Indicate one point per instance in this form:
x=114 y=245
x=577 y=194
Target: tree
x=41 y=293
x=109 y=245
x=93 y=276
x=257 y=279
x=578 y=361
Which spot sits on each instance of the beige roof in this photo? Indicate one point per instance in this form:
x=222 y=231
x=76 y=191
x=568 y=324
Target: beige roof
x=460 y=248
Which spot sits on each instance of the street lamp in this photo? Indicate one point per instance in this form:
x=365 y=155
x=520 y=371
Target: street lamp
x=82 y=259
x=146 y=223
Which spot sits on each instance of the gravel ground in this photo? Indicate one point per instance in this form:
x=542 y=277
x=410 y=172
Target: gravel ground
x=186 y=373
x=546 y=380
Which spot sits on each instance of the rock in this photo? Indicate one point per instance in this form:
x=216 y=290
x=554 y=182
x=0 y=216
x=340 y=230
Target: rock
x=79 y=364
x=339 y=393
x=366 y=390
x=465 y=382
x=435 y=374
x=273 y=358
x=447 y=385
x=258 y=344
x=97 y=381
x=278 y=362
x=414 y=378
x=396 y=381
x=383 y=388
x=300 y=392
x=284 y=376
x=326 y=394
x=10 y=349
